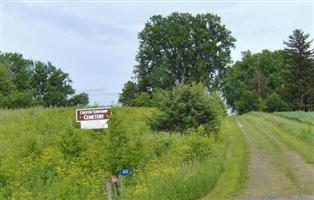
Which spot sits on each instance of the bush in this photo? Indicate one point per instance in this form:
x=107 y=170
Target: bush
x=188 y=107
x=72 y=144
x=249 y=101
x=275 y=103
x=129 y=92
x=79 y=99
x=142 y=100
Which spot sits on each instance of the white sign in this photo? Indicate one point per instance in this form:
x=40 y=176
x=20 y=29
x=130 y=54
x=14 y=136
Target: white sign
x=93 y=118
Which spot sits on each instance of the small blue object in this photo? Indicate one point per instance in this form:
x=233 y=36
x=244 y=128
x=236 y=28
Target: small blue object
x=125 y=172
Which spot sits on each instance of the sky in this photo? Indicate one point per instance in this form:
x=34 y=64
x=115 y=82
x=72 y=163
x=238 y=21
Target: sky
x=96 y=41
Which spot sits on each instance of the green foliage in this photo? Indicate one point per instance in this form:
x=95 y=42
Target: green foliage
x=123 y=149
x=142 y=100
x=10 y=95
x=275 y=103
x=234 y=176
x=72 y=144
x=288 y=72
x=307 y=117
x=20 y=70
x=187 y=169
x=248 y=101
x=186 y=107
x=182 y=48
x=79 y=99
x=25 y=83
x=129 y=92
x=299 y=58
x=44 y=155
x=256 y=76
x=53 y=85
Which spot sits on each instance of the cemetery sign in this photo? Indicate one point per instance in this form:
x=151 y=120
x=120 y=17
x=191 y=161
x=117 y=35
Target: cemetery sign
x=93 y=118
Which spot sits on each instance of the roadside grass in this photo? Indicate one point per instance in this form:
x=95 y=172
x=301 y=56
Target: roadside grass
x=234 y=175
x=176 y=176
x=45 y=155
x=184 y=181
x=281 y=130
x=301 y=130
x=301 y=116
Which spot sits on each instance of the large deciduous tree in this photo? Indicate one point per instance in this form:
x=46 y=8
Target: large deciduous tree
x=253 y=79
x=24 y=83
x=299 y=59
x=129 y=92
x=53 y=86
x=79 y=99
x=16 y=89
x=182 y=48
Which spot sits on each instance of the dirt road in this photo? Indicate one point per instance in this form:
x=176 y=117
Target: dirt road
x=275 y=171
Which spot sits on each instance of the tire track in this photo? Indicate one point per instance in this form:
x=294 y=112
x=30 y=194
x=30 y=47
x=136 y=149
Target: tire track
x=302 y=172
x=265 y=179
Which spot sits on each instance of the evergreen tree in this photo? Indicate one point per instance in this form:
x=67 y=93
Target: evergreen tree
x=299 y=59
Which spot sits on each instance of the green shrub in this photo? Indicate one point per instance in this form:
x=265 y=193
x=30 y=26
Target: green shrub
x=188 y=107
x=275 y=103
x=180 y=173
x=249 y=101
x=142 y=100
x=72 y=144
x=46 y=156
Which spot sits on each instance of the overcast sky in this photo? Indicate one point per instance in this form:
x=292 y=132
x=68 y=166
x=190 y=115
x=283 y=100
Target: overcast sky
x=96 y=42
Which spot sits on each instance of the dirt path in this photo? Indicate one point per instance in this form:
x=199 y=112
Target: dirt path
x=275 y=172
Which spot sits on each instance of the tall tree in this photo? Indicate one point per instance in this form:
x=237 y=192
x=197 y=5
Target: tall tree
x=58 y=87
x=128 y=94
x=79 y=99
x=253 y=78
x=5 y=85
x=182 y=48
x=24 y=83
x=299 y=88
x=19 y=69
x=18 y=78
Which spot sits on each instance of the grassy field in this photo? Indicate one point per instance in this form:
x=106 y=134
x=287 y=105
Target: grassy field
x=45 y=155
x=299 y=116
x=296 y=135
x=233 y=177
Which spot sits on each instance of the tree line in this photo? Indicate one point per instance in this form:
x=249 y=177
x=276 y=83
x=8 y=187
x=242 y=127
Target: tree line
x=182 y=48
x=271 y=81
x=26 y=83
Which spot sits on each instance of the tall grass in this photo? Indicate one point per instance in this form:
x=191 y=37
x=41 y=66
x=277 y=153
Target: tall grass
x=178 y=175
x=301 y=116
x=289 y=132
x=45 y=155
x=303 y=131
x=233 y=177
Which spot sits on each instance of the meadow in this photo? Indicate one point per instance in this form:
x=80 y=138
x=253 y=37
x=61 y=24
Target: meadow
x=45 y=155
x=301 y=116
